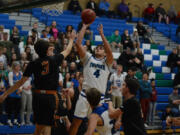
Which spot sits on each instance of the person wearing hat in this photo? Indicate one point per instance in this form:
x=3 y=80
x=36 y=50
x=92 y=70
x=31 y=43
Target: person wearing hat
x=173 y=97
x=45 y=70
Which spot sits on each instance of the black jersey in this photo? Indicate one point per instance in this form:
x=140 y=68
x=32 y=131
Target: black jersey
x=132 y=120
x=45 y=72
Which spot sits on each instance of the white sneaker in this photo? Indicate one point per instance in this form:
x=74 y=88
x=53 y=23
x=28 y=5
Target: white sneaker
x=10 y=123
x=145 y=125
x=22 y=123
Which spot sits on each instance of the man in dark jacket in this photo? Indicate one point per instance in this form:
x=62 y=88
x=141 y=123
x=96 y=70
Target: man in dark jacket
x=161 y=14
x=172 y=59
x=92 y=5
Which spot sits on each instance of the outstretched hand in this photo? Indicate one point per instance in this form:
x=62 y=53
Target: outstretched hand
x=73 y=35
x=100 y=29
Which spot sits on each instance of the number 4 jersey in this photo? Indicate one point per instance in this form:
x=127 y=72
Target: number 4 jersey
x=96 y=72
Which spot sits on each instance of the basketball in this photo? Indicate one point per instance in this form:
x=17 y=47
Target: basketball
x=88 y=16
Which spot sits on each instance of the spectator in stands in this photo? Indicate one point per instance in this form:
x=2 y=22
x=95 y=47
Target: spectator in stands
x=139 y=60
x=131 y=73
x=135 y=40
x=161 y=14
x=3 y=58
x=74 y=6
x=153 y=99
x=178 y=31
x=34 y=36
x=104 y=7
x=15 y=37
x=30 y=44
x=13 y=103
x=126 y=59
x=126 y=40
x=88 y=45
x=92 y=5
x=7 y=44
x=141 y=29
x=64 y=68
x=1 y=32
x=72 y=68
x=26 y=100
x=12 y=59
x=117 y=79
x=172 y=59
x=3 y=73
x=44 y=35
x=165 y=115
x=114 y=67
x=172 y=98
x=23 y=59
x=54 y=31
x=35 y=28
x=67 y=81
x=115 y=41
x=149 y=12
x=28 y=53
x=3 y=86
x=172 y=14
x=148 y=36
x=145 y=95
x=123 y=11
x=47 y=28
x=69 y=28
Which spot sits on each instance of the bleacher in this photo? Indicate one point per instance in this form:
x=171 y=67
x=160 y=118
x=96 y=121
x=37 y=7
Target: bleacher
x=155 y=56
x=168 y=30
x=9 y=24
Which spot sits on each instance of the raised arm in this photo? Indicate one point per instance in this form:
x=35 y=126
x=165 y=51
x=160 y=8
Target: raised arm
x=67 y=51
x=109 y=55
x=80 y=48
x=16 y=86
x=92 y=123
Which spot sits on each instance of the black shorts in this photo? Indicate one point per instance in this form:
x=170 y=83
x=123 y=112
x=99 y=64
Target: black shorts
x=43 y=107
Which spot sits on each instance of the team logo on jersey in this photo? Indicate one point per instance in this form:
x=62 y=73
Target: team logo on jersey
x=94 y=65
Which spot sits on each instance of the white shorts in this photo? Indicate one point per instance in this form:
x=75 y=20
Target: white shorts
x=83 y=108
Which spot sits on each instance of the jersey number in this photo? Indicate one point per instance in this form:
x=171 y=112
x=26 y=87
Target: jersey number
x=97 y=73
x=45 y=66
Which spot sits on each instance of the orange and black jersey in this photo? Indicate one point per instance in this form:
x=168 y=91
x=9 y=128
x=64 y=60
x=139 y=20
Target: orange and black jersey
x=45 y=72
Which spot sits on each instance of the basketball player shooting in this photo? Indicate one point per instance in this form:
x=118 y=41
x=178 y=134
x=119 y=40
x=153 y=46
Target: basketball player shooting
x=95 y=71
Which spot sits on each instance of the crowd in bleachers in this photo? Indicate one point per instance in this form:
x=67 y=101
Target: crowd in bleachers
x=15 y=55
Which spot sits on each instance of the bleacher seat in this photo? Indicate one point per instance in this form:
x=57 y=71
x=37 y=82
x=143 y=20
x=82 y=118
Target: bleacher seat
x=161 y=106
x=162 y=98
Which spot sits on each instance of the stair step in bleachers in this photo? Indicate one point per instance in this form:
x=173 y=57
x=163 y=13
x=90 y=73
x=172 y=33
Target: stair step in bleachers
x=17 y=130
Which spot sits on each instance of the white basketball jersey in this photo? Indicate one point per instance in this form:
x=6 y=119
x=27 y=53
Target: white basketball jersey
x=107 y=124
x=95 y=72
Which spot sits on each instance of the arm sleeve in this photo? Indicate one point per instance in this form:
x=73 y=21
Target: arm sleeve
x=29 y=70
